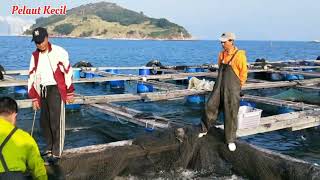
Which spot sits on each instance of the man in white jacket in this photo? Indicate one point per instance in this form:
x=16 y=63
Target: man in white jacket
x=50 y=87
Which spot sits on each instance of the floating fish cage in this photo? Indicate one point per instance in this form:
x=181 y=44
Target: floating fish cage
x=158 y=83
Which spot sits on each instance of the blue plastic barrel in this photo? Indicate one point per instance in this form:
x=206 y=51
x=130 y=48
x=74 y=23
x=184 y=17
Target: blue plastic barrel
x=115 y=84
x=144 y=71
x=276 y=77
x=248 y=103
x=82 y=74
x=113 y=71
x=190 y=70
x=300 y=76
x=21 y=90
x=89 y=75
x=196 y=99
x=73 y=106
x=283 y=110
x=199 y=69
x=143 y=88
x=76 y=74
x=291 y=77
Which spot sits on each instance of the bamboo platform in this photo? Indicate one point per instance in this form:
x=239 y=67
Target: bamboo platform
x=310 y=87
x=294 y=121
x=169 y=91
x=281 y=103
x=170 y=94
x=14 y=82
x=9 y=81
x=132 y=115
x=308 y=74
x=306 y=115
x=276 y=121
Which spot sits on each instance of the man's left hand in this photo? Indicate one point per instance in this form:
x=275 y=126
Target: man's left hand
x=70 y=100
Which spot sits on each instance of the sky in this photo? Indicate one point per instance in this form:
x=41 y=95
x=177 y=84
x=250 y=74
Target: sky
x=292 y=20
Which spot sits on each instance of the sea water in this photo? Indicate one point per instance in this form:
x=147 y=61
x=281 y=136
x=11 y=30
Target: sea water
x=88 y=127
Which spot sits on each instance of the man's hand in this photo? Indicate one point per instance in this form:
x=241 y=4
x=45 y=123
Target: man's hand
x=70 y=101
x=70 y=98
x=35 y=105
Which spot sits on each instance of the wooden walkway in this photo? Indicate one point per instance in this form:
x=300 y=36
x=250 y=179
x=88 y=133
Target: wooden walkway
x=171 y=94
x=281 y=103
x=131 y=115
x=307 y=116
x=294 y=121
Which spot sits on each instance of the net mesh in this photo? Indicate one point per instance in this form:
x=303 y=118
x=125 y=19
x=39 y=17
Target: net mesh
x=172 y=150
x=298 y=96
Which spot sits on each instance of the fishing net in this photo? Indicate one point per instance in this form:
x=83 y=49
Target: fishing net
x=161 y=151
x=298 y=96
x=171 y=150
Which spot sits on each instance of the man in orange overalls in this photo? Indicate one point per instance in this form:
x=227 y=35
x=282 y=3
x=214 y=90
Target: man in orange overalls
x=225 y=96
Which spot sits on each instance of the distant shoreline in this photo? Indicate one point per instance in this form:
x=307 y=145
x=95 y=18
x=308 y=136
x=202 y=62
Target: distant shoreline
x=193 y=39
x=102 y=38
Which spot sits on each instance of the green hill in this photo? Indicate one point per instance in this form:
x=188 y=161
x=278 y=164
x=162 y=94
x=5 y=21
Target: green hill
x=108 y=20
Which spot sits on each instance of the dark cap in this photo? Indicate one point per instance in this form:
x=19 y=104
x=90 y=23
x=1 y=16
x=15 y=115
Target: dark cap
x=39 y=34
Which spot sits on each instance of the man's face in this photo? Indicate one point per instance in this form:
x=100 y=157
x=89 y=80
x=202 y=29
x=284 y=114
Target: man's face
x=227 y=44
x=44 y=45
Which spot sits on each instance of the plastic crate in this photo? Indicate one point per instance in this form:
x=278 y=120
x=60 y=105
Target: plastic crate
x=248 y=117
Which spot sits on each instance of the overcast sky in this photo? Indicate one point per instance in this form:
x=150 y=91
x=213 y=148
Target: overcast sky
x=206 y=19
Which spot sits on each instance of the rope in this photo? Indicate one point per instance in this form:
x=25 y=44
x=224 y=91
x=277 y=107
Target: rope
x=121 y=122
x=34 y=119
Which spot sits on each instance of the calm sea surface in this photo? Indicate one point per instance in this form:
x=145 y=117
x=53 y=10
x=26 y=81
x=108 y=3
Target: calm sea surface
x=15 y=51
x=88 y=127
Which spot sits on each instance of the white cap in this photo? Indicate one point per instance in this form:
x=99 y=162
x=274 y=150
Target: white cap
x=227 y=36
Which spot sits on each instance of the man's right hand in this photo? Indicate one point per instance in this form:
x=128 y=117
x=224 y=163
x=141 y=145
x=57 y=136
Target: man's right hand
x=35 y=105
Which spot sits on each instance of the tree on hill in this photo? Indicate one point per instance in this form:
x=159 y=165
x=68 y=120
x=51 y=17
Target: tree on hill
x=64 y=29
